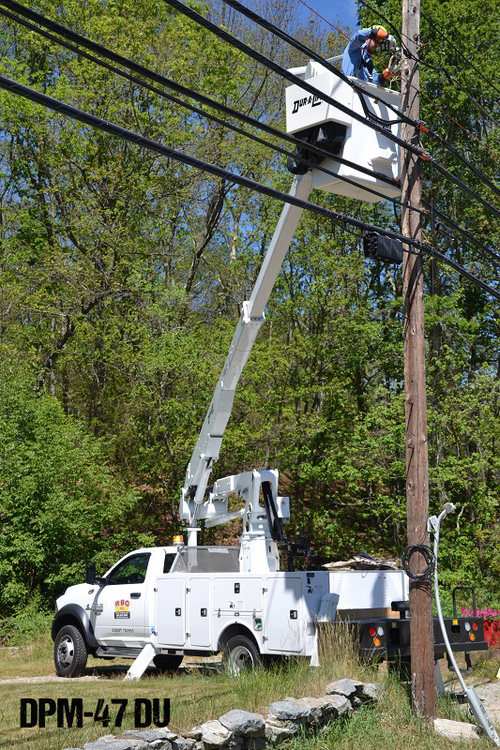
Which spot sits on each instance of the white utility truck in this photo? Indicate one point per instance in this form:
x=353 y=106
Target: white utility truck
x=161 y=603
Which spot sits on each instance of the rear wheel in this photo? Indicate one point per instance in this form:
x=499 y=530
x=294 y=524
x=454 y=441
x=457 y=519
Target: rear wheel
x=240 y=655
x=167 y=662
x=70 y=652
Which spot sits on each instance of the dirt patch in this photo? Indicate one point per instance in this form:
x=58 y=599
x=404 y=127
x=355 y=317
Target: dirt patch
x=205 y=664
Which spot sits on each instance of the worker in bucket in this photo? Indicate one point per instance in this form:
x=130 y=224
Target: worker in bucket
x=357 y=59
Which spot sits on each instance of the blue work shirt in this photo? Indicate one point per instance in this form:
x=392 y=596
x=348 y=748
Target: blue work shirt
x=357 y=60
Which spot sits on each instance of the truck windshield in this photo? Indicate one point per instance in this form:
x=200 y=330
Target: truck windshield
x=207 y=560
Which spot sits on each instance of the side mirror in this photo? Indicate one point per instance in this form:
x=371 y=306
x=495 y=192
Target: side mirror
x=90 y=574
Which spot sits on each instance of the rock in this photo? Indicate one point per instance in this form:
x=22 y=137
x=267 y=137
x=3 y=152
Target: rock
x=280 y=731
x=290 y=710
x=334 y=706
x=344 y=687
x=315 y=707
x=244 y=723
x=369 y=691
x=110 y=742
x=456 y=730
x=183 y=744
x=214 y=735
x=152 y=735
x=193 y=734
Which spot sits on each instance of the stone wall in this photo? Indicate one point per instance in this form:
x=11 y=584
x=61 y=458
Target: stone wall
x=241 y=730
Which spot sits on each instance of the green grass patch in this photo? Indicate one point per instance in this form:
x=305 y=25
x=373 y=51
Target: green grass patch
x=198 y=694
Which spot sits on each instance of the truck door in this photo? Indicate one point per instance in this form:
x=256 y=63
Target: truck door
x=119 y=610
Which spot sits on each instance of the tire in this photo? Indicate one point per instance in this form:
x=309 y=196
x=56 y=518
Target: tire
x=240 y=655
x=167 y=662
x=70 y=652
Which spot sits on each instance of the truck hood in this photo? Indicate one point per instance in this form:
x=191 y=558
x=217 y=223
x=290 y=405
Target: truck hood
x=82 y=594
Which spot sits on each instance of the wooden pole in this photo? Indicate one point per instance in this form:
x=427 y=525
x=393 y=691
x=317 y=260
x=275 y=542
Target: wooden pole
x=417 y=471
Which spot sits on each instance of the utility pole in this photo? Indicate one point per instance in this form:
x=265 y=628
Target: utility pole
x=417 y=468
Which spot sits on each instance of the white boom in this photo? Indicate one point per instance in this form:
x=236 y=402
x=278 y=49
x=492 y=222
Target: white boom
x=195 y=504
x=374 y=152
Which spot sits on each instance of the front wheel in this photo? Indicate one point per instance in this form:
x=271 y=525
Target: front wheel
x=70 y=652
x=167 y=662
x=240 y=655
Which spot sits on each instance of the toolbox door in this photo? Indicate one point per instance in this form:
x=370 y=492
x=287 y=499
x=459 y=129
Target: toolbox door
x=171 y=611
x=284 y=626
x=199 y=612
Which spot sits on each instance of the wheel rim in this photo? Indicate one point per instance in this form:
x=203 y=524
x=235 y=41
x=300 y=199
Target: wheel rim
x=65 y=651
x=240 y=660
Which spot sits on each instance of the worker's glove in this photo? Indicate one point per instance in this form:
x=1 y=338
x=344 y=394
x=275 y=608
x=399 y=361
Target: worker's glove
x=388 y=44
x=385 y=76
x=378 y=33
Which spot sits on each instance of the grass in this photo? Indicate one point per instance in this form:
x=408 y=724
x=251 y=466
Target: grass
x=197 y=694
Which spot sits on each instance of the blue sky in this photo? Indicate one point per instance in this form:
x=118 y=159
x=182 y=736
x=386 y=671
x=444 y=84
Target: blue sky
x=334 y=11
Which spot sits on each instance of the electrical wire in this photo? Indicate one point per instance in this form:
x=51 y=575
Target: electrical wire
x=306 y=50
x=452 y=79
x=224 y=108
x=418 y=151
x=83 y=41
x=124 y=61
x=183 y=90
x=139 y=140
x=213 y=118
x=424 y=551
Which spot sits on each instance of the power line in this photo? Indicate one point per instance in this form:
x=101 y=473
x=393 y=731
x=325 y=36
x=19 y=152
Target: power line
x=208 y=115
x=306 y=50
x=183 y=90
x=105 y=52
x=423 y=62
x=233 y=41
x=139 y=140
x=83 y=41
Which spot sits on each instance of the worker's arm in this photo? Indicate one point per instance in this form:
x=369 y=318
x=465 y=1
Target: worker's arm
x=351 y=60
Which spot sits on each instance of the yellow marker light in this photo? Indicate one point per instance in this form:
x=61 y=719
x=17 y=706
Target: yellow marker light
x=178 y=539
x=472 y=636
x=376 y=642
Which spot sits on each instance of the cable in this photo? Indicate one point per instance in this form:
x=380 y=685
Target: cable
x=158 y=78
x=306 y=50
x=127 y=135
x=213 y=118
x=83 y=41
x=425 y=129
x=230 y=39
x=457 y=83
x=183 y=90
x=226 y=110
x=426 y=553
x=470 y=237
x=422 y=62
